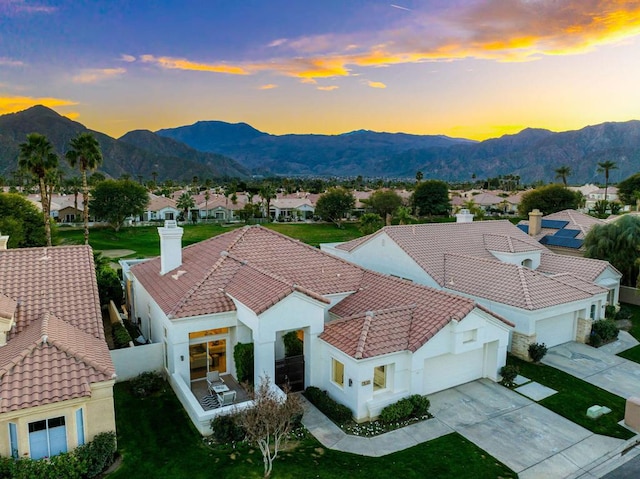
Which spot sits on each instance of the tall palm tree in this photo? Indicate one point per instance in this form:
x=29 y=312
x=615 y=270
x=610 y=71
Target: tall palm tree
x=37 y=157
x=605 y=167
x=86 y=154
x=74 y=185
x=267 y=193
x=562 y=173
x=185 y=203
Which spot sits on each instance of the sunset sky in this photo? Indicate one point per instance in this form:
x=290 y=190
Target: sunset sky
x=474 y=69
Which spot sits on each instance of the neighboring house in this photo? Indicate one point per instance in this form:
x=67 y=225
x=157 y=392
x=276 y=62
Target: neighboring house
x=290 y=207
x=368 y=339
x=160 y=208
x=563 y=232
x=550 y=298
x=63 y=207
x=218 y=207
x=56 y=374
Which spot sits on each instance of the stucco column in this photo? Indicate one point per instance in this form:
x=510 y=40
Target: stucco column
x=583 y=331
x=520 y=345
x=264 y=362
x=312 y=373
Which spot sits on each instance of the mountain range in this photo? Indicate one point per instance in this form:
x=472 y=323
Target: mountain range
x=213 y=149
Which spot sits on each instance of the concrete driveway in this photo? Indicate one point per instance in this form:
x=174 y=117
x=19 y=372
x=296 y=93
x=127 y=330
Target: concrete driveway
x=528 y=438
x=612 y=373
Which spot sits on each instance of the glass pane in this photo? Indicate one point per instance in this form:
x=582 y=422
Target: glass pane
x=338 y=372
x=37 y=426
x=218 y=355
x=209 y=332
x=57 y=440
x=198 y=360
x=379 y=378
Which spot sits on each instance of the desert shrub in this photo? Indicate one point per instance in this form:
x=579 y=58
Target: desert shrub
x=606 y=329
x=335 y=411
x=292 y=344
x=146 y=384
x=121 y=336
x=227 y=428
x=413 y=406
x=421 y=405
x=509 y=373
x=243 y=356
x=537 y=351
x=98 y=454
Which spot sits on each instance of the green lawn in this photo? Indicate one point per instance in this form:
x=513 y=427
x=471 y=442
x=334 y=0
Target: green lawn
x=574 y=397
x=157 y=440
x=145 y=242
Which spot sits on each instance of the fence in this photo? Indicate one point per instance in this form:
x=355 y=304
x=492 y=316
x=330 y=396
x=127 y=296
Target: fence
x=130 y=362
x=629 y=295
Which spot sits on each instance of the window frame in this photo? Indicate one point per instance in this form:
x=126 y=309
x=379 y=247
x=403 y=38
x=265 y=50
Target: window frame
x=337 y=365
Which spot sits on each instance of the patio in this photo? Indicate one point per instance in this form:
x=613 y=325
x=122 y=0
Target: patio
x=201 y=392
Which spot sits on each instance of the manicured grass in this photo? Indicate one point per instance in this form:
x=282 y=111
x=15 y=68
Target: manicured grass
x=574 y=397
x=145 y=242
x=157 y=440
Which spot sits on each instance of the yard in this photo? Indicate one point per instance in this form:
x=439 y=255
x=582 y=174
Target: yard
x=157 y=440
x=633 y=354
x=145 y=242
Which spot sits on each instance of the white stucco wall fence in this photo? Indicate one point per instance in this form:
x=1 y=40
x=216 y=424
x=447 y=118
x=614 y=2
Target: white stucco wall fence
x=130 y=362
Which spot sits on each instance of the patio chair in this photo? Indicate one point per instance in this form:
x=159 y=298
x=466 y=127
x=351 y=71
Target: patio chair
x=214 y=379
x=226 y=398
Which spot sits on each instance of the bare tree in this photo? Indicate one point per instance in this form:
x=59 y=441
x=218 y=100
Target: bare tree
x=269 y=421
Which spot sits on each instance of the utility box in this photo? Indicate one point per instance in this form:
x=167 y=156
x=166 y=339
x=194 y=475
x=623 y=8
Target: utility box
x=632 y=413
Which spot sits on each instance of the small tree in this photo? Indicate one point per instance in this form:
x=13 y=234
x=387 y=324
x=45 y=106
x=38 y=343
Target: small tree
x=185 y=203
x=549 y=199
x=21 y=221
x=628 y=189
x=335 y=204
x=431 y=198
x=269 y=421
x=370 y=223
x=384 y=203
x=116 y=200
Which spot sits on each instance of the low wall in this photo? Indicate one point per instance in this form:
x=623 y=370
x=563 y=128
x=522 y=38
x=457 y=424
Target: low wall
x=629 y=295
x=130 y=362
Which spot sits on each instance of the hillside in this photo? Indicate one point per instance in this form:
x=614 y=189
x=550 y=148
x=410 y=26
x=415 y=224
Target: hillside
x=120 y=157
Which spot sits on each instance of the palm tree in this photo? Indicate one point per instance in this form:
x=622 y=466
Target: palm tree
x=267 y=193
x=419 y=176
x=207 y=195
x=562 y=173
x=85 y=153
x=37 y=157
x=605 y=167
x=74 y=184
x=185 y=203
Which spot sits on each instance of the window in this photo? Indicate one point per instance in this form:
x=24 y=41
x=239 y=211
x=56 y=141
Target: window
x=47 y=438
x=469 y=336
x=80 y=426
x=337 y=372
x=13 y=440
x=527 y=263
x=379 y=378
x=593 y=312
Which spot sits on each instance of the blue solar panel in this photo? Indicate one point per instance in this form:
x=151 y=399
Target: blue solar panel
x=562 y=241
x=524 y=228
x=567 y=233
x=554 y=224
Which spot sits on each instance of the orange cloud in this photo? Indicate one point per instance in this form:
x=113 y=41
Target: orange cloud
x=328 y=88
x=269 y=86
x=183 y=64
x=94 y=75
x=12 y=104
x=376 y=84
x=72 y=115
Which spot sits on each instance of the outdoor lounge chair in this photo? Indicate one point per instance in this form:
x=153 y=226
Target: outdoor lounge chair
x=214 y=379
x=226 y=398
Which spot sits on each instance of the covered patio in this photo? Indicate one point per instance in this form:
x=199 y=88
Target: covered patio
x=209 y=401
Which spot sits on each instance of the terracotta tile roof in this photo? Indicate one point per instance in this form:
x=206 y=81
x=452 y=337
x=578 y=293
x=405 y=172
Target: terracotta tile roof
x=405 y=316
x=156 y=203
x=51 y=361
x=507 y=283
x=507 y=244
x=576 y=221
x=7 y=307
x=59 y=280
x=585 y=268
x=582 y=284
x=198 y=286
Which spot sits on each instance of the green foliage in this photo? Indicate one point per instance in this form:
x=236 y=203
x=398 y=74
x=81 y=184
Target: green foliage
x=537 y=351
x=600 y=208
x=628 y=189
x=243 y=357
x=21 y=221
x=121 y=336
x=617 y=242
x=115 y=200
x=549 y=199
x=370 y=223
x=509 y=373
x=431 y=198
x=98 y=454
x=146 y=384
x=610 y=311
x=293 y=346
x=414 y=406
x=335 y=411
x=603 y=331
x=334 y=205
x=384 y=202
x=109 y=286
x=227 y=428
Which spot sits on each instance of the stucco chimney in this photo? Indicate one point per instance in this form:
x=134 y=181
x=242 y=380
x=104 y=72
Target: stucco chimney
x=3 y=242
x=535 y=222
x=464 y=216
x=170 y=246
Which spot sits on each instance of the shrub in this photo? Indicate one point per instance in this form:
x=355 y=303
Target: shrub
x=610 y=312
x=121 y=336
x=243 y=356
x=397 y=411
x=131 y=328
x=421 y=405
x=227 y=428
x=606 y=329
x=98 y=454
x=109 y=285
x=595 y=340
x=292 y=344
x=335 y=411
x=537 y=351
x=146 y=384
x=509 y=373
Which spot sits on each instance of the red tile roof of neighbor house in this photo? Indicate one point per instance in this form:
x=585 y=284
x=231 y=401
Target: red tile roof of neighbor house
x=577 y=221
x=7 y=306
x=57 y=348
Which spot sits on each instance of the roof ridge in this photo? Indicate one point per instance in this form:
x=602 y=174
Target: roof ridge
x=525 y=287
x=366 y=325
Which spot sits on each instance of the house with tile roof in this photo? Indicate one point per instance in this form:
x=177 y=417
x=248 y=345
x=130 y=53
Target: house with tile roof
x=160 y=208
x=369 y=339
x=550 y=298
x=56 y=373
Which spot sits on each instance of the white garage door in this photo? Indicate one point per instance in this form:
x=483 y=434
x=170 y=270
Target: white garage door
x=554 y=331
x=449 y=370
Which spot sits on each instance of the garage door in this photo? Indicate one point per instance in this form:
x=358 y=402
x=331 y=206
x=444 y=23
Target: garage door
x=449 y=370
x=554 y=331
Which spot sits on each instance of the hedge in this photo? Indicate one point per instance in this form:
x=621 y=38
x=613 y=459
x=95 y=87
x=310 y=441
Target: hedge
x=335 y=411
